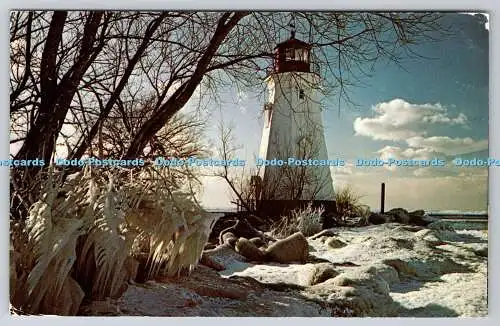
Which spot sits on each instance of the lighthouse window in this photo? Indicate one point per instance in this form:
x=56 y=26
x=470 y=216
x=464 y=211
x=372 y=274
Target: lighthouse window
x=289 y=54
x=301 y=94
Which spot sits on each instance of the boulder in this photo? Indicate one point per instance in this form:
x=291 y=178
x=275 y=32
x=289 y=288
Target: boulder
x=379 y=218
x=363 y=293
x=399 y=215
x=207 y=260
x=386 y=272
x=221 y=257
x=419 y=218
x=291 y=249
x=249 y=250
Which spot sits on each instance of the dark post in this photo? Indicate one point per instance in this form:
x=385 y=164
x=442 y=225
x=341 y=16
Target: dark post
x=382 y=198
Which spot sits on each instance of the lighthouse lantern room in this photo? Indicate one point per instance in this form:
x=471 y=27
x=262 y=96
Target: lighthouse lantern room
x=292 y=55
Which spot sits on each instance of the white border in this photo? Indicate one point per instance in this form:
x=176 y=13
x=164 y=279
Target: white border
x=491 y=7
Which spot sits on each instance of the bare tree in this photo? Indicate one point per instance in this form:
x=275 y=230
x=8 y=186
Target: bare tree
x=226 y=152
x=70 y=81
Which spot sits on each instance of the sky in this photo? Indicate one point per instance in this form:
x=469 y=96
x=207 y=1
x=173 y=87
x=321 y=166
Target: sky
x=434 y=107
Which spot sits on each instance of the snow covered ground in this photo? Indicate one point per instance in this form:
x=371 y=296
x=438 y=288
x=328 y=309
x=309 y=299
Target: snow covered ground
x=446 y=280
x=383 y=270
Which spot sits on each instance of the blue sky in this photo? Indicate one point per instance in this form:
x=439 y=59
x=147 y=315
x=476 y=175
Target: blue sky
x=436 y=108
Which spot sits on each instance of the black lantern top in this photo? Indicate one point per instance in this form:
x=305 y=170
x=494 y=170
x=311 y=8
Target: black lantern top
x=292 y=55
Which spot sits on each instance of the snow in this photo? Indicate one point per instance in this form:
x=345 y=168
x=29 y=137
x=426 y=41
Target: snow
x=384 y=270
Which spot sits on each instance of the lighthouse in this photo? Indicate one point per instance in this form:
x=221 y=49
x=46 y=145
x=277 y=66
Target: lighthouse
x=293 y=153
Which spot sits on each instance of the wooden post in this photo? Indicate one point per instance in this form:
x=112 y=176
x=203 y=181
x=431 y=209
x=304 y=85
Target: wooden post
x=382 y=198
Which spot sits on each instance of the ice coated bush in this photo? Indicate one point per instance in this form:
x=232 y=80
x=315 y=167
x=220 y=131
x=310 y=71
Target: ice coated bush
x=306 y=220
x=82 y=239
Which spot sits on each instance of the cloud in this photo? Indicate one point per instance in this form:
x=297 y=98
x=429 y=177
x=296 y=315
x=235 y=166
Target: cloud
x=399 y=120
x=408 y=153
x=448 y=145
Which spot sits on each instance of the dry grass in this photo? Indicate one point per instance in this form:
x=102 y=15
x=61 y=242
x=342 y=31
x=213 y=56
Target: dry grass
x=306 y=220
x=349 y=205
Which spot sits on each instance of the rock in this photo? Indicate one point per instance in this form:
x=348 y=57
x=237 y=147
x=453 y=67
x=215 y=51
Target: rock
x=208 y=261
x=259 y=242
x=291 y=249
x=229 y=238
x=483 y=252
x=421 y=220
x=378 y=218
x=221 y=257
x=386 y=272
x=365 y=294
x=321 y=273
x=401 y=266
x=249 y=250
x=400 y=215
x=335 y=243
x=418 y=212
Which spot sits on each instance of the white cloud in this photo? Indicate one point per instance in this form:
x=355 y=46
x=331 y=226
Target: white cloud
x=448 y=145
x=399 y=120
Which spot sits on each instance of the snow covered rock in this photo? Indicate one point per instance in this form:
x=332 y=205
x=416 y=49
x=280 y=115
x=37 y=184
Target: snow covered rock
x=294 y=248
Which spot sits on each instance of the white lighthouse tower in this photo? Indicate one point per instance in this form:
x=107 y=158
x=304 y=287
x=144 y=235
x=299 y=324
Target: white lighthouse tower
x=293 y=131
